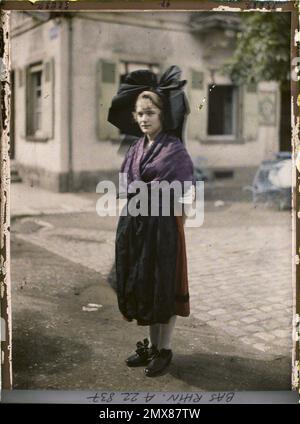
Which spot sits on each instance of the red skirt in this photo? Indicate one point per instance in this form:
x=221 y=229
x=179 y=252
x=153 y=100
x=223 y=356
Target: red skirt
x=182 y=302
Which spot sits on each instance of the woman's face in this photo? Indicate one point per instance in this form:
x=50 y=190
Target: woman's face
x=148 y=117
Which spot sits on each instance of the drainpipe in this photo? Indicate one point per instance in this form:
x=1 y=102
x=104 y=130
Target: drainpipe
x=70 y=101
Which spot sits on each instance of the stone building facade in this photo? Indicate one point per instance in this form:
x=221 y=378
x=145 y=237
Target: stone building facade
x=67 y=67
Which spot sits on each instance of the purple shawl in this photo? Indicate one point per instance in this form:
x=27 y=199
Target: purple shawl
x=166 y=160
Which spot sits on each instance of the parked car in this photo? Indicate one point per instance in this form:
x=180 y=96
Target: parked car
x=272 y=183
x=200 y=171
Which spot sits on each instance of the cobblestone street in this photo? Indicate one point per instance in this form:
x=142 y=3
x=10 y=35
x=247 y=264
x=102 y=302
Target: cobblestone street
x=240 y=270
x=240 y=266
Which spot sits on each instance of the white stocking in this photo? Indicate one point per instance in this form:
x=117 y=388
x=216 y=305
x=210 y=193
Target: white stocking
x=154 y=331
x=166 y=331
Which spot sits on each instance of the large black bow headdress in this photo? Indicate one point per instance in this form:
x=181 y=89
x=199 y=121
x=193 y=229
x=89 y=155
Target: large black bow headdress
x=169 y=87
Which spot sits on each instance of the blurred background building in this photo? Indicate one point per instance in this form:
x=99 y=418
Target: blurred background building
x=67 y=67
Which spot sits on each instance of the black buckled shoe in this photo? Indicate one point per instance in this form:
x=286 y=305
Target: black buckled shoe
x=159 y=363
x=144 y=354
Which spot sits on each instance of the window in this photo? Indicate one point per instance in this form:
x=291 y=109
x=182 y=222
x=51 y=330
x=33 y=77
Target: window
x=110 y=74
x=222 y=108
x=35 y=100
x=38 y=94
x=127 y=67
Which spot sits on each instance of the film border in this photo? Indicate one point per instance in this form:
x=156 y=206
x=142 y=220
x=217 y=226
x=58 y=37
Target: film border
x=116 y=5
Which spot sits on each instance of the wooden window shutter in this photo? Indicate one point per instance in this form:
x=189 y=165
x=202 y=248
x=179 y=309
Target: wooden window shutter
x=107 y=86
x=48 y=81
x=21 y=99
x=249 y=114
x=197 y=119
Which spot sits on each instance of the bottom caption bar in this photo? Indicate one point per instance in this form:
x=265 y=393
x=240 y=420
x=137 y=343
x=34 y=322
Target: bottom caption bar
x=158 y=398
